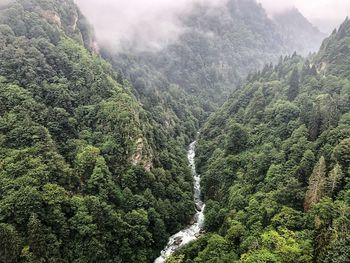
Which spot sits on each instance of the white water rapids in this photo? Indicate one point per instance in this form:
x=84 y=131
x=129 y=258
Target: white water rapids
x=193 y=231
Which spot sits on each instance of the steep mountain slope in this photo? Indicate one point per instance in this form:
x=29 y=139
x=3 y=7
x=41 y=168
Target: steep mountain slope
x=275 y=165
x=333 y=57
x=184 y=82
x=85 y=176
x=298 y=32
x=220 y=45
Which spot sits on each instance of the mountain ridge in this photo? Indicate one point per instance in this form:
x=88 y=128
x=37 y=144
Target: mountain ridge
x=298 y=31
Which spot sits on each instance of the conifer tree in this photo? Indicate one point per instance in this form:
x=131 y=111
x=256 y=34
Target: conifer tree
x=334 y=179
x=293 y=90
x=317 y=184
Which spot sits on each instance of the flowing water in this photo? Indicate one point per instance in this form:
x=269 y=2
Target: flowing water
x=193 y=231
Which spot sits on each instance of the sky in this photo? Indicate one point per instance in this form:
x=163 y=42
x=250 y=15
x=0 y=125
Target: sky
x=152 y=24
x=4 y=2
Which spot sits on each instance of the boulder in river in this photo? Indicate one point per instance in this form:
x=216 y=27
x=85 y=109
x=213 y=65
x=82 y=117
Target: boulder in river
x=178 y=241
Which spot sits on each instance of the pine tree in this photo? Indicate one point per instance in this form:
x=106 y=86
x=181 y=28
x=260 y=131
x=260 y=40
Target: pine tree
x=293 y=90
x=334 y=179
x=317 y=185
x=305 y=70
x=313 y=70
x=120 y=78
x=257 y=107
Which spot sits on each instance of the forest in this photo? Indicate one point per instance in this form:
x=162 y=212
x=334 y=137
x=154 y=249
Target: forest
x=93 y=143
x=85 y=176
x=275 y=164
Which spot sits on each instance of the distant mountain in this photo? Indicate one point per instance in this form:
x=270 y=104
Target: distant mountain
x=219 y=47
x=297 y=32
x=334 y=55
x=181 y=84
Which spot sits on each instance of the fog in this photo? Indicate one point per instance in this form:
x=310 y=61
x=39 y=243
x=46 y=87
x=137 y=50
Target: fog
x=152 y=24
x=325 y=14
x=140 y=24
x=5 y=2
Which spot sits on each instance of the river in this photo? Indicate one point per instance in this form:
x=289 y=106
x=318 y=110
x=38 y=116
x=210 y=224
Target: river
x=192 y=232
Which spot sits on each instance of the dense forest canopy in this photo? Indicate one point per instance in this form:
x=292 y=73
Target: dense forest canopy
x=275 y=164
x=85 y=174
x=93 y=144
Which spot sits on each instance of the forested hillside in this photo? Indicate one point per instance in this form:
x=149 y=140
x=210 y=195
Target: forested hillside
x=275 y=164
x=93 y=161
x=333 y=57
x=219 y=47
x=85 y=176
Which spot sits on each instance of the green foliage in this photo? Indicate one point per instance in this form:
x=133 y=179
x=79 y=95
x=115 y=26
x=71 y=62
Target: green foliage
x=293 y=90
x=280 y=247
x=338 y=252
x=237 y=139
x=317 y=184
x=216 y=251
x=341 y=153
x=93 y=170
x=10 y=244
x=334 y=52
x=266 y=193
x=86 y=174
x=181 y=83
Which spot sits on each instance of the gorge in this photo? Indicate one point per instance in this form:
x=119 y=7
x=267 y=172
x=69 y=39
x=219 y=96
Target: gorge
x=100 y=155
x=193 y=231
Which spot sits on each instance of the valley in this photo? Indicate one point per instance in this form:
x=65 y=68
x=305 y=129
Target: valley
x=228 y=144
x=195 y=230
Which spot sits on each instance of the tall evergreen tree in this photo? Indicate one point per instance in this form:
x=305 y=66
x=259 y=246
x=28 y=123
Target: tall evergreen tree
x=317 y=184
x=293 y=90
x=334 y=179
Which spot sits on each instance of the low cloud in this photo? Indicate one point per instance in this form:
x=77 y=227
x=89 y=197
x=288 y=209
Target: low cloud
x=5 y=2
x=326 y=14
x=153 y=24
x=273 y=6
x=138 y=24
